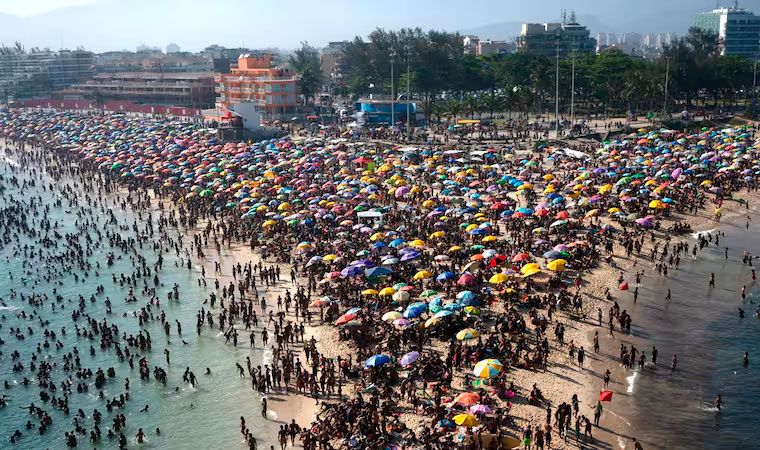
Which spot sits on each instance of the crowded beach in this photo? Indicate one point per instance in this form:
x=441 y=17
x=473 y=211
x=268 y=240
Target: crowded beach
x=424 y=296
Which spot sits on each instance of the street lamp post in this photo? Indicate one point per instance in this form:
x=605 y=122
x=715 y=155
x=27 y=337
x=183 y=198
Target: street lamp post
x=572 y=96
x=393 y=93
x=556 y=98
x=408 y=92
x=667 y=76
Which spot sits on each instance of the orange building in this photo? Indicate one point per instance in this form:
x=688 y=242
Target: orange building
x=273 y=90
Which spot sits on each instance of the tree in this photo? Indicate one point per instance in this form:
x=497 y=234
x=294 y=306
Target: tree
x=305 y=63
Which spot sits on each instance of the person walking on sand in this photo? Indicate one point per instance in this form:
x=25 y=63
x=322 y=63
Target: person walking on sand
x=598 y=412
x=669 y=296
x=637 y=445
x=712 y=280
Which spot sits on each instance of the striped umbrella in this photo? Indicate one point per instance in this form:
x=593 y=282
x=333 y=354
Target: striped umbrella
x=487 y=368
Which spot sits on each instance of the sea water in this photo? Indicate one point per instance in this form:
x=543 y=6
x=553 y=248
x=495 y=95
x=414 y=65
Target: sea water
x=675 y=409
x=204 y=417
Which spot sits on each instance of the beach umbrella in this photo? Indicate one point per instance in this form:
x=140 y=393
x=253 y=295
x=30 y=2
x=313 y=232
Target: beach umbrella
x=487 y=368
x=465 y=295
x=498 y=278
x=605 y=396
x=401 y=296
x=480 y=409
x=428 y=293
x=466 y=279
x=390 y=316
x=377 y=271
x=415 y=310
x=367 y=292
x=345 y=318
x=466 y=399
x=402 y=322
x=521 y=257
x=558 y=265
x=377 y=360
x=423 y=275
x=445 y=276
x=466 y=420
x=386 y=292
x=467 y=333
x=408 y=359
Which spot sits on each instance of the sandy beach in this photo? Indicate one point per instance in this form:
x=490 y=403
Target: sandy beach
x=534 y=256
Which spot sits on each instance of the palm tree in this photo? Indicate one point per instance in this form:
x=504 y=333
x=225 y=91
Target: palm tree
x=305 y=62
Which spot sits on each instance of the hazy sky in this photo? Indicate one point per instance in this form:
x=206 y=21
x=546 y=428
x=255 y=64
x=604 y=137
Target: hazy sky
x=123 y=24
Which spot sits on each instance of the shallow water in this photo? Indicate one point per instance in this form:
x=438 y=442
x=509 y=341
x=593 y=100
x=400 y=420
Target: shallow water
x=702 y=326
x=205 y=417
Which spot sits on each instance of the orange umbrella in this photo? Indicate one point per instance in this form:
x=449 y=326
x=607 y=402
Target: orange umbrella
x=467 y=398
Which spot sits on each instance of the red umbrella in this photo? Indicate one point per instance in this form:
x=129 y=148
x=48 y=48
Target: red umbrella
x=605 y=396
x=624 y=286
x=345 y=318
x=520 y=257
x=562 y=215
x=362 y=160
x=466 y=279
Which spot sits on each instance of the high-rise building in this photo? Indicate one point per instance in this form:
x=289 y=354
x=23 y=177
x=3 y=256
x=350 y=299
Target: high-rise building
x=548 y=39
x=331 y=62
x=273 y=90
x=737 y=28
x=37 y=73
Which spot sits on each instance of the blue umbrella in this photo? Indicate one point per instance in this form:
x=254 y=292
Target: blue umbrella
x=415 y=310
x=377 y=360
x=445 y=276
x=378 y=271
x=350 y=271
x=396 y=242
x=466 y=295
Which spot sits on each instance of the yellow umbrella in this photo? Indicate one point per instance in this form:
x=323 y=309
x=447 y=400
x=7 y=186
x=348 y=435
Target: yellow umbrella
x=656 y=204
x=385 y=292
x=423 y=275
x=437 y=235
x=369 y=292
x=283 y=207
x=377 y=236
x=466 y=420
x=524 y=187
x=606 y=188
x=428 y=204
x=558 y=265
x=417 y=243
x=331 y=257
x=530 y=272
x=433 y=321
x=468 y=333
x=529 y=267
x=268 y=223
x=613 y=210
x=498 y=278
x=705 y=183
x=489 y=238
x=471 y=227
x=592 y=213
x=548 y=177
x=455 y=248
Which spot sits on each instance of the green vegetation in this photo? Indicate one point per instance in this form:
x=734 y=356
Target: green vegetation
x=449 y=83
